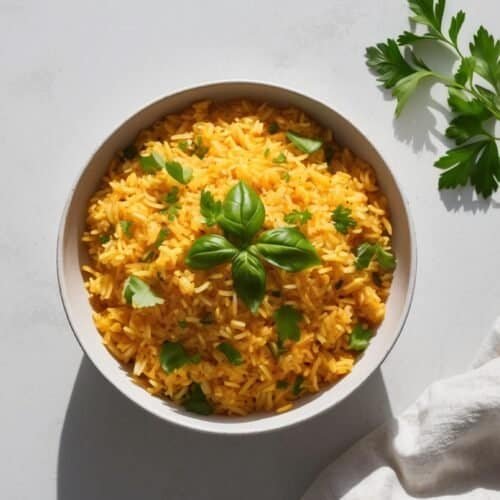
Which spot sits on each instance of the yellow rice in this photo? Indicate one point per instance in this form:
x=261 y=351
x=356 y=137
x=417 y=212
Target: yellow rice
x=240 y=147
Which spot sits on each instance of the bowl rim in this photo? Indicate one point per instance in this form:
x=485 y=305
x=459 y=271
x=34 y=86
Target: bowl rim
x=221 y=428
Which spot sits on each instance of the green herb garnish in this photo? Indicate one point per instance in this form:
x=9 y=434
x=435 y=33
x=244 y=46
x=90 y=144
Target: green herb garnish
x=155 y=162
x=298 y=217
x=359 y=338
x=130 y=152
x=138 y=294
x=126 y=226
x=305 y=144
x=172 y=196
x=184 y=146
x=281 y=158
x=104 y=238
x=207 y=319
x=266 y=153
x=241 y=217
x=162 y=235
x=196 y=401
x=232 y=354
x=367 y=251
x=342 y=220
x=174 y=356
x=200 y=150
x=210 y=209
x=287 y=323
x=274 y=128
x=476 y=159
x=281 y=384
x=297 y=385
x=285 y=176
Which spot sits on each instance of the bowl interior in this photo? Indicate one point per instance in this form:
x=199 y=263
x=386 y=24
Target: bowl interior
x=72 y=254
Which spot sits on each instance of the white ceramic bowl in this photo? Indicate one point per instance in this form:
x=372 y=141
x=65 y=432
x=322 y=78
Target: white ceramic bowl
x=71 y=255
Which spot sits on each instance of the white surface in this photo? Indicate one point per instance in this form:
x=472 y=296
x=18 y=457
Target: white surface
x=70 y=73
x=445 y=445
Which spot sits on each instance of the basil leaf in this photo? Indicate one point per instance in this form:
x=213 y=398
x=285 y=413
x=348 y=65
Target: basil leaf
x=249 y=279
x=196 y=401
x=287 y=248
x=209 y=208
x=178 y=172
x=305 y=144
x=126 y=226
x=364 y=255
x=152 y=163
x=209 y=251
x=242 y=212
x=359 y=338
x=173 y=356
x=287 y=323
x=138 y=294
x=232 y=354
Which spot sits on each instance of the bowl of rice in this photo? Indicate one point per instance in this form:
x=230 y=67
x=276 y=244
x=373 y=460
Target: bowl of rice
x=236 y=258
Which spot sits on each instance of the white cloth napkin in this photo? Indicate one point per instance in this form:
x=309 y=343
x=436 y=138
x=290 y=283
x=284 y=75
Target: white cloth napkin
x=446 y=445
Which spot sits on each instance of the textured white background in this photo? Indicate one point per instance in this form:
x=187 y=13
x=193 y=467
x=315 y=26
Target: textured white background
x=70 y=72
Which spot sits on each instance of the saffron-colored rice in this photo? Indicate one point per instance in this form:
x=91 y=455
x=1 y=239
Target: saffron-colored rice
x=332 y=297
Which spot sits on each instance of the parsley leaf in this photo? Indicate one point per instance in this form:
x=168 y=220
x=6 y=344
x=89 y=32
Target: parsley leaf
x=478 y=162
x=287 y=323
x=273 y=128
x=386 y=60
x=172 y=196
x=359 y=338
x=472 y=103
x=342 y=220
x=155 y=162
x=281 y=158
x=298 y=217
x=297 y=385
x=126 y=227
x=200 y=150
x=304 y=144
x=367 y=251
x=104 y=238
x=210 y=209
x=162 y=235
x=129 y=152
x=196 y=401
x=231 y=353
x=138 y=294
x=486 y=53
x=174 y=356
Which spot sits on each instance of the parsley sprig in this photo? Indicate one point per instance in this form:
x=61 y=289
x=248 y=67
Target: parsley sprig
x=475 y=106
